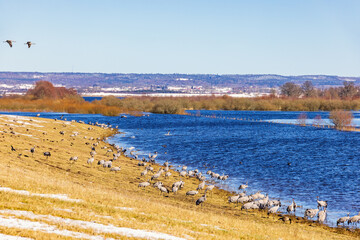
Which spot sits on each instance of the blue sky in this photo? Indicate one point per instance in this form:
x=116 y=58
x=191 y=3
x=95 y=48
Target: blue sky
x=293 y=37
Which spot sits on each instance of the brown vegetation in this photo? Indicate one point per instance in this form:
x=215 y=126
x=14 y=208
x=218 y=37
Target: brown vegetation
x=177 y=105
x=45 y=97
x=301 y=119
x=45 y=89
x=341 y=119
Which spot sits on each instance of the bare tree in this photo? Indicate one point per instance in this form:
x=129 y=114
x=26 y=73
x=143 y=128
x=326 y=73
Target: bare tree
x=341 y=119
x=301 y=119
x=348 y=90
x=308 y=89
x=290 y=89
x=317 y=121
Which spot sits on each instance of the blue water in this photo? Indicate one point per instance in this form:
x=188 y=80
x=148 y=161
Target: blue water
x=323 y=162
x=90 y=99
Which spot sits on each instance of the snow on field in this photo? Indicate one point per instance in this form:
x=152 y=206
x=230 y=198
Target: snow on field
x=9 y=237
x=124 y=208
x=64 y=210
x=63 y=197
x=97 y=227
x=12 y=222
x=21 y=118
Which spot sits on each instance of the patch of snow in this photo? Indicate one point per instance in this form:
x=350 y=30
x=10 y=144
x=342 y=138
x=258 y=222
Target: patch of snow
x=216 y=227
x=9 y=237
x=107 y=217
x=12 y=222
x=64 y=210
x=27 y=135
x=129 y=232
x=63 y=197
x=125 y=208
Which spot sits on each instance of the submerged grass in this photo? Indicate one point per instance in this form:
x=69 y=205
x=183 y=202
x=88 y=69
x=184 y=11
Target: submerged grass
x=110 y=198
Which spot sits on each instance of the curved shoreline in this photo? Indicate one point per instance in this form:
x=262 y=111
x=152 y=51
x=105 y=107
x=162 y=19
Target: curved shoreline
x=101 y=189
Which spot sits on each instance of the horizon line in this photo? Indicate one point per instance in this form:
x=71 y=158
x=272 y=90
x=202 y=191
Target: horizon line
x=223 y=74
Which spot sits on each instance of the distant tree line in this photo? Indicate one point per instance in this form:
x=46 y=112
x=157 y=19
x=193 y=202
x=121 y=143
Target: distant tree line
x=307 y=90
x=46 y=97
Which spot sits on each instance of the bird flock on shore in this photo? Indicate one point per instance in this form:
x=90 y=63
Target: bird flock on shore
x=207 y=181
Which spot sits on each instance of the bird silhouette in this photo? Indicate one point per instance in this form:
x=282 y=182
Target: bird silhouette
x=10 y=42
x=29 y=44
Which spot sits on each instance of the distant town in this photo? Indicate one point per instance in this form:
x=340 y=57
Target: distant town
x=117 y=84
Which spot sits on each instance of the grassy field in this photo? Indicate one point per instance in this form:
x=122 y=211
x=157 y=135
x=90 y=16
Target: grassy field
x=96 y=203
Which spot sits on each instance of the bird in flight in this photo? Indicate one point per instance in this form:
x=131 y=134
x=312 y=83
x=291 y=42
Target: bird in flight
x=29 y=44
x=10 y=42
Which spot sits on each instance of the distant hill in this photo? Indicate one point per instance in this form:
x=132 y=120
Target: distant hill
x=84 y=80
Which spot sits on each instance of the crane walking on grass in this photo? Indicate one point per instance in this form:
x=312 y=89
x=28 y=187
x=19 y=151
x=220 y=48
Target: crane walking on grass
x=32 y=150
x=201 y=200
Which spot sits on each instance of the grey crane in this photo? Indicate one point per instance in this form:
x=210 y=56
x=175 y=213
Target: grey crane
x=157 y=184
x=183 y=174
x=244 y=199
x=201 y=200
x=274 y=203
x=47 y=154
x=144 y=184
x=175 y=189
x=29 y=44
x=32 y=150
x=90 y=160
x=285 y=219
x=250 y=205
x=343 y=220
x=107 y=164
x=191 y=193
x=210 y=188
x=243 y=186
x=163 y=189
x=101 y=162
x=156 y=176
x=10 y=42
x=257 y=195
x=201 y=186
x=233 y=199
x=180 y=184
x=311 y=213
x=13 y=149
x=322 y=204
x=143 y=173
x=291 y=207
x=322 y=216
x=273 y=209
x=354 y=219
x=115 y=169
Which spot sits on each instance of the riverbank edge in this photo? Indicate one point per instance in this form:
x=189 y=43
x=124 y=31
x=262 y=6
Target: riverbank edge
x=257 y=213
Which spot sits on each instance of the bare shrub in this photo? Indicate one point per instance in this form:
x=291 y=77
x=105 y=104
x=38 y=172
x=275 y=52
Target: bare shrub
x=341 y=119
x=301 y=119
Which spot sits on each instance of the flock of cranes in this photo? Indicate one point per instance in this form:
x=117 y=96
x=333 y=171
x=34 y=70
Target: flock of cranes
x=248 y=201
x=10 y=42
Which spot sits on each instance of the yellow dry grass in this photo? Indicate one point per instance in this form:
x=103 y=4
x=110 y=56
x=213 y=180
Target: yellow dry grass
x=114 y=198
